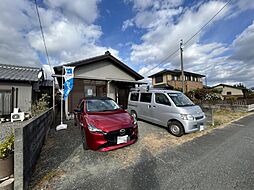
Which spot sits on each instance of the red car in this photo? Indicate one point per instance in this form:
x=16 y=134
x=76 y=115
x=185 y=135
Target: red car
x=104 y=125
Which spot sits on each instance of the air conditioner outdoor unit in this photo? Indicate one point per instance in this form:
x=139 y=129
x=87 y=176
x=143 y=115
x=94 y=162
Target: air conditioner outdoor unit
x=17 y=116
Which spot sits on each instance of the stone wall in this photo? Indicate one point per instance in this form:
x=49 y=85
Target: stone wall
x=29 y=140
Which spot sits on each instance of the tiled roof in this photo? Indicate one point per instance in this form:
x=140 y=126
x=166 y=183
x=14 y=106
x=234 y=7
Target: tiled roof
x=18 y=73
x=176 y=72
x=106 y=56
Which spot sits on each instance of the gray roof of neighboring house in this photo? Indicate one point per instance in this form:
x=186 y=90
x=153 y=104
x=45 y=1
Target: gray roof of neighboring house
x=230 y=86
x=176 y=72
x=18 y=73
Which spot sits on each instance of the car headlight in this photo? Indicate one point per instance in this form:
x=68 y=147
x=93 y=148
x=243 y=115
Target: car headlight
x=93 y=129
x=187 y=117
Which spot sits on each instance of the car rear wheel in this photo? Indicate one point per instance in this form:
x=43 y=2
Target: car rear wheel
x=83 y=136
x=176 y=128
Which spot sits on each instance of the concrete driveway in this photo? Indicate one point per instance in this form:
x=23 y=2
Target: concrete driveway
x=222 y=159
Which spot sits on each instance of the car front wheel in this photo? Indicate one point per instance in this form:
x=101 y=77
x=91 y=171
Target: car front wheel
x=176 y=128
x=83 y=136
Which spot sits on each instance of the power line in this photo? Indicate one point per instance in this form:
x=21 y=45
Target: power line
x=187 y=41
x=43 y=37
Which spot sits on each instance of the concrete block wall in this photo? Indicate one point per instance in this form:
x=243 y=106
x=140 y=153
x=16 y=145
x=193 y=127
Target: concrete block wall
x=29 y=140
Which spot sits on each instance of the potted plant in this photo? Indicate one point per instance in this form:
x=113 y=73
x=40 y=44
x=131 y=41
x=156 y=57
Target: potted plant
x=7 y=157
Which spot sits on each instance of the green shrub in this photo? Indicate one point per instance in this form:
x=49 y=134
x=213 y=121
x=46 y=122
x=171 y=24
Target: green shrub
x=40 y=106
x=7 y=147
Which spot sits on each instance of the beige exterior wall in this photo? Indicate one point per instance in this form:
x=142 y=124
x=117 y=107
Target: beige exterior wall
x=24 y=95
x=226 y=89
x=103 y=70
x=111 y=91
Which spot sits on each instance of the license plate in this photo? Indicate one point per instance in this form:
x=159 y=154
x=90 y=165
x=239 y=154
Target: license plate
x=201 y=127
x=122 y=139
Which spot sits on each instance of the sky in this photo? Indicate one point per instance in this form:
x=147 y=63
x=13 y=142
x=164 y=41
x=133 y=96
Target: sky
x=141 y=33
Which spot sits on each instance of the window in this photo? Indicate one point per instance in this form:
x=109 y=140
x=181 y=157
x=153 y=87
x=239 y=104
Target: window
x=5 y=102
x=229 y=93
x=146 y=97
x=161 y=99
x=158 y=79
x=134 y=96
x=101 y=105
x=180 y=100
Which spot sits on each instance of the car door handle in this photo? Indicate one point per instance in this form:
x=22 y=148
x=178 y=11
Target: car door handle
x=149 y=106
x=154 y=106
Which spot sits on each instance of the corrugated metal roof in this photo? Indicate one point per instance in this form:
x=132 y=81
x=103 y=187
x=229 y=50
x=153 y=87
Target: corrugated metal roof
x=18 y=73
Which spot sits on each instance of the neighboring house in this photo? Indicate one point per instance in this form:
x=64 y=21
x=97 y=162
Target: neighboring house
x=172 y=79
x=19 y=86
x=102 y=75
x=228 y=90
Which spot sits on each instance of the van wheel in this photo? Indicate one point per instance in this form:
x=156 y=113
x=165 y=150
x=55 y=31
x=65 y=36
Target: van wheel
x=134 y=115
x=176 y=128
x=83 y=136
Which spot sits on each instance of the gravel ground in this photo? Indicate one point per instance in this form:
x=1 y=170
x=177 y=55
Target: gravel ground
x=64 y=162
x=63 y=154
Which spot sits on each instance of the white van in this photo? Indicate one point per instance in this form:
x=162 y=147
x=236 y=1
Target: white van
x=168 y=108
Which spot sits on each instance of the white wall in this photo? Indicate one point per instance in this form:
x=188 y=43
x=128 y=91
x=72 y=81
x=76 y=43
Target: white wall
x=104 y=70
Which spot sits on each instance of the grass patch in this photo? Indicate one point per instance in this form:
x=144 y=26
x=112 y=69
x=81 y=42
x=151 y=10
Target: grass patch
x=224 y=116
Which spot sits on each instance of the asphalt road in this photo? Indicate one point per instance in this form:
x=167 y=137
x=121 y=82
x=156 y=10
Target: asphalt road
x=223 y=159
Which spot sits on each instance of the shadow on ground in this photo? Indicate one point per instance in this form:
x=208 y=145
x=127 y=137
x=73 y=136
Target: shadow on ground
x=58 y=148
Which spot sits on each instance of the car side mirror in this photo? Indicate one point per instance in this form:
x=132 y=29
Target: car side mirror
x=121 y=106
x=78 y=110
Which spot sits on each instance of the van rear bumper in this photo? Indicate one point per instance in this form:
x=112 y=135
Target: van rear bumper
x=193 y=126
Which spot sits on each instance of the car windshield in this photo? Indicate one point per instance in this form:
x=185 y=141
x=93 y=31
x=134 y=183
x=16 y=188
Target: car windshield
x=101 y=105
x=180 y=99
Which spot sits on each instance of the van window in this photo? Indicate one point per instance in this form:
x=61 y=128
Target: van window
x=180 y=99
x=161 y=99
x=146 y=97
x=134 y=96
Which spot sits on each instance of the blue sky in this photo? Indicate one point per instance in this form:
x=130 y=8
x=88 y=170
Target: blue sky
x=139 y=32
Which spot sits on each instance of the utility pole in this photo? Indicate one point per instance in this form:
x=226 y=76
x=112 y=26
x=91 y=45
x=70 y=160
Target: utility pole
x=182 y=71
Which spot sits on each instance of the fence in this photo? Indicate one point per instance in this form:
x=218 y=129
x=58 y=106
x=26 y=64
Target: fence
x=29 y=140
x=243 y=105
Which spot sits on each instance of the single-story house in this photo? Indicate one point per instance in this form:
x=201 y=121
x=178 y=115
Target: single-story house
x=228 y=90
x=19 y=87
x=102 y=75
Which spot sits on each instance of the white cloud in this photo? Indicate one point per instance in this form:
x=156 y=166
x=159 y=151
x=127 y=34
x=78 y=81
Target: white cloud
x=68 y=26
x=83 y=9
x=72 y=35
x=163 y=34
